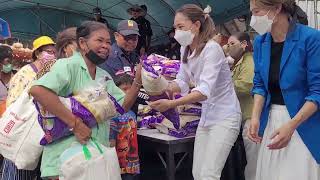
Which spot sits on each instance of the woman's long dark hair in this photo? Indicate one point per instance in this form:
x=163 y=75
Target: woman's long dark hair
x=63 y=39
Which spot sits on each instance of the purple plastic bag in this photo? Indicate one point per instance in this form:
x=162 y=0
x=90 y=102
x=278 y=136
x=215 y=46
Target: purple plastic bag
x=55 y=129
x=119 y=108
x=149 y=121
x=192 y=124
x=188 y=130
x=150 y=69
x=152 y=59
x=178 y=133
x=194 y=111
x=150 y=112
x=177 y=96
x=168 y=67
x=171 y=114
x=174 y=65
x=169 y=72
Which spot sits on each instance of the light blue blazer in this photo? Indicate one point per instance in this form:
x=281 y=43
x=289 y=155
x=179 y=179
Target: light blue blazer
x=299 y=79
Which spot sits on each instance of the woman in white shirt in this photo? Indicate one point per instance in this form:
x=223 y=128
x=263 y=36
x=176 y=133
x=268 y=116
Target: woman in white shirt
x=204 y=64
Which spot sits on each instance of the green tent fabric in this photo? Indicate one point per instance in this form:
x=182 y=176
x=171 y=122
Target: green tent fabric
x=31 y=18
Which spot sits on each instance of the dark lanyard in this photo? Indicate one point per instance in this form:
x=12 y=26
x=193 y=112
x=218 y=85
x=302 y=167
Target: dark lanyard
x=34 y=67
x=4 y=84
x=127 y=59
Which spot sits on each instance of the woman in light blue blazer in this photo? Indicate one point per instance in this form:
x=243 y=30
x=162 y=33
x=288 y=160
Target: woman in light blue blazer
x=286 y=116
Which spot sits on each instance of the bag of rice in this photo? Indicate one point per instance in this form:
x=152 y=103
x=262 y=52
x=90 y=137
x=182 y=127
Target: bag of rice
x=155 y=85
x=92 y=105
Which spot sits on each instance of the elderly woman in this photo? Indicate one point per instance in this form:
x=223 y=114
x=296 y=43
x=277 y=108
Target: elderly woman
x=43 y=51
x=73 y=74
x=65 y=46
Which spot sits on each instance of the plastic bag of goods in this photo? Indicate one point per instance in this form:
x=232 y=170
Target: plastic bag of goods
x=21 y=133
x=155 y=85
x=89 y=162
x=92 y=105
x=167 y=67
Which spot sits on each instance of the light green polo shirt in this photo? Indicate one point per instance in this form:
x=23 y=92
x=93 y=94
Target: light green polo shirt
x=66 y=77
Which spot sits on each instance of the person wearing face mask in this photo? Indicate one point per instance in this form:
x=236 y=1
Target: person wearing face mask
x=66 y=43
x=71 y=75
x=5 y=75
x=240 y=51
x=43 y=54
x=236 y=48
x=65 y=47
x=43 y=51
x=285 y=117
x=203 y=63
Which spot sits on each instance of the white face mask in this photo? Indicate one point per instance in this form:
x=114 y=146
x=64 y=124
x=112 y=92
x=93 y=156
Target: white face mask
x=230 y=60
x=261 y=24
x=184 y=38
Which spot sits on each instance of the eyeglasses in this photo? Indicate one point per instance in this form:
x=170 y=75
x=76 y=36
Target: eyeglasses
x=49 y=51
x=131 y=37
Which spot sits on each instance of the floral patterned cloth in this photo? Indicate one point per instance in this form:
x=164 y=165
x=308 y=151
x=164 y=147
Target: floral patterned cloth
x=24 y=78
x=19 y=82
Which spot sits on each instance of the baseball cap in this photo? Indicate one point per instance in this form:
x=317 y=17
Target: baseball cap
x=135 y=8
x=128 y=27
x=144 y=7
x=97 y=11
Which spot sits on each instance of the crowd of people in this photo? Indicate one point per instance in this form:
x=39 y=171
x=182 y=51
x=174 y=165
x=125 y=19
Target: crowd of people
x=269 y=90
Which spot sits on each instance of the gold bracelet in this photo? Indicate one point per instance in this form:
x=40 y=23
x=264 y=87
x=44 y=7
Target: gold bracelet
x=75 y=124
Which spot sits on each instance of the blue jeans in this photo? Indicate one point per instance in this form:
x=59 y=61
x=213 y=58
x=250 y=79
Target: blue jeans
x=10 y=172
